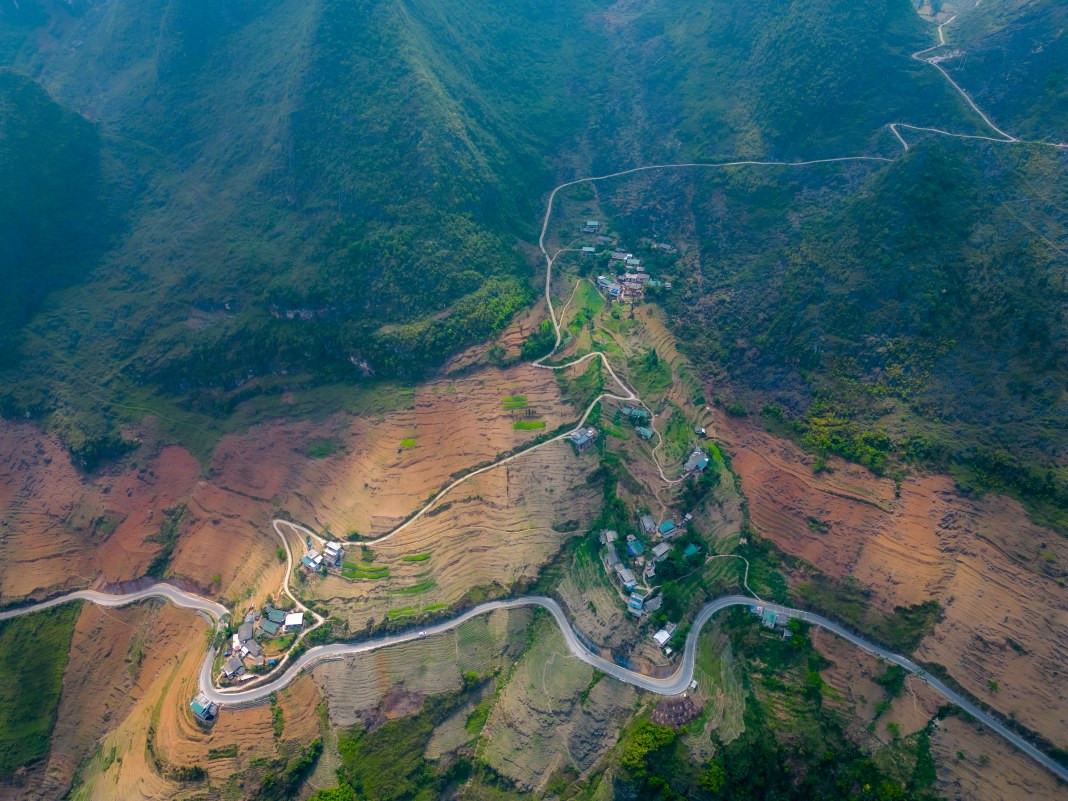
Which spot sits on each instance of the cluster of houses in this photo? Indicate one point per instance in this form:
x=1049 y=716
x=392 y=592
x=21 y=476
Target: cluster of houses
x=628 y=282
x=314 y=561
x=770 y=618
x=640 y=419
x=245 y=650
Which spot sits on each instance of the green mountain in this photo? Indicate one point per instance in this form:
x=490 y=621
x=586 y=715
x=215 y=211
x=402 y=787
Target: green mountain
x=50 y=200
x=352 y=202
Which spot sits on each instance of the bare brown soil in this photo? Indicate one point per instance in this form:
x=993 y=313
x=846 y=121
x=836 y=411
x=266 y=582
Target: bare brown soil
x=990 y=770
x=992 y=570
x=62 y=530
x=497 y=529
x=373 y=481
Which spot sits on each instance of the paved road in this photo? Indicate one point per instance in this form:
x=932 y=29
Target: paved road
x=178 y=597
x=677 y=683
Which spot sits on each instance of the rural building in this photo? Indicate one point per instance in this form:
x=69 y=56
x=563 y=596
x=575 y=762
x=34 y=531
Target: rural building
x=204 y=709
x=233 y=667
x=269 y=627
x=635 y=548
x=334 y=553
x=584 y=437
x=769 y=619
x=644 y=433
x=637 y=416
x=691 y=550
x=695 y=462
x=661 y=637
x=620 y=255
x=633 y=262
x=626 y=577
x=608 y=285
x=312 y=561
x=235 y=642
x=591 y=227
x=667 y=529
x=252 y=648
x=601 y=239
x=244 y=632
x=611 y=556
x=274 y=614
x=588 y=250
x=661 y=551
x=294 y=621
x=699 y=431
x=608 y=536
x=648 y=525
x=654 y=604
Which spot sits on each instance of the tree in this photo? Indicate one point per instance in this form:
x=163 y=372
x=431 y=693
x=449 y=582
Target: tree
x=713 y=779
x=340 y=793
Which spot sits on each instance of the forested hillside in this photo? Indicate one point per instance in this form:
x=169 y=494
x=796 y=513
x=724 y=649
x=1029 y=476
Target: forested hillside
x=51 y=211
x=355 y=206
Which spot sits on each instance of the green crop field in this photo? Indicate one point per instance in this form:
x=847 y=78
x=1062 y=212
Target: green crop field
x=33 y=657
x=528 y=425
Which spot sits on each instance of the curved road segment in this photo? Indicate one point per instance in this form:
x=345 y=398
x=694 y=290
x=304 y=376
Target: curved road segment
x=674 y=684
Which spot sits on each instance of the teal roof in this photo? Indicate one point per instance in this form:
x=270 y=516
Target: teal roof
x=270 y=626
x=644 y=433
x=690 y=550
x=666 y=526
x=274 y=615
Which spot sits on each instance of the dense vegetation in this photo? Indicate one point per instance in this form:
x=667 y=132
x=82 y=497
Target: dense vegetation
x=33 y=656
x=909 y=315
x=355 y=213
x=50 y=205
x=792 y=746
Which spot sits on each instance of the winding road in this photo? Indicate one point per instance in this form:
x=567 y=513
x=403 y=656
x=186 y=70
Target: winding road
x=262 y=687
x=674 y=684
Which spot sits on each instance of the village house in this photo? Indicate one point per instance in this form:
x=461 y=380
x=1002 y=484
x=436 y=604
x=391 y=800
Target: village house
x=635 y=603
x=591 y=227
x=583 y=438
x=312 y=561
x=700 y=431
x=626 y=577
x=690 y=550
x=648 y=525
x=634 y=546
x=611 y=556
x=637 y=416
x=695 y=462
x=661 y=637
x=620 y=255
x=334 y=553
x=608 y=536
x=644 y=433
x=654 y=604
x=204 y=709
x=233 y=667
x=661 y=551
x=608 y=285
x=588 y=251
x=630 y=261
x=667 y=529
x=245 y=632
x=294 y=621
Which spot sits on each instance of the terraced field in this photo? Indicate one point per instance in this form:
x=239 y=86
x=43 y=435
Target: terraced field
x=494 y=530
x=389 y=464
x=552 y=715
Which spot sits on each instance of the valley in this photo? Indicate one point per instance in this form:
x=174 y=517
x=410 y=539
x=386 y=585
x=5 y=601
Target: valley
x=477 y=639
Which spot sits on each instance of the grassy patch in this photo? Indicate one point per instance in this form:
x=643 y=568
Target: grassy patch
x=402 y=612
x=320 y=449
x=434 y=607
x=225 y=752
x=415 y=557
x=33 y=657
x=528 y=425
x=515 y=402
x=364 y=570
x=408 y=442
